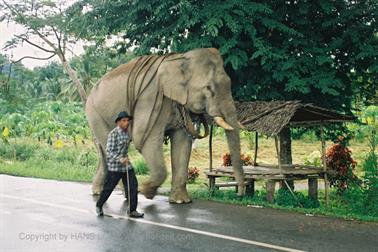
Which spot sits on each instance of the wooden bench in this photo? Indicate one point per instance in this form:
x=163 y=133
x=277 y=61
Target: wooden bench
x=269 y=173
x=249 y=185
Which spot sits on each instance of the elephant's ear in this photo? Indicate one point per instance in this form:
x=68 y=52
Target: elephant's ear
x=173 y=77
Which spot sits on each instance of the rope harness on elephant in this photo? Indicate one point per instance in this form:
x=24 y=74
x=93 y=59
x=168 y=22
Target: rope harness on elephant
x=192 y=122
x=141 y=76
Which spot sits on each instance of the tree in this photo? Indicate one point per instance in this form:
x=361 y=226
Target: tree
x=47 y=25
x=14 y=86
x=91 y=66
x=307 y=50
x=50 y=82
x=322 y=52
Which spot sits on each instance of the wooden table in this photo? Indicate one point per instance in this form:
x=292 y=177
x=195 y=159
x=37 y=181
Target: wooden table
x=270 y=173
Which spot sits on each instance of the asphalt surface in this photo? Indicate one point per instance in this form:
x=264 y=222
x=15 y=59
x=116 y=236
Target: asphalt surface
x=47 y=215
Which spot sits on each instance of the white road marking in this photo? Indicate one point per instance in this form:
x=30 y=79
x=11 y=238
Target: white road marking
x=190 y=230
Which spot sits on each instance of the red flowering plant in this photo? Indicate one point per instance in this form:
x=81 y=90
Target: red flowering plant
x=226 y=159
x=193 y=173
x=339 y=159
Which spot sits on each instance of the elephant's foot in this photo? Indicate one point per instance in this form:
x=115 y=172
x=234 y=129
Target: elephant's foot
x=179 y=196
x=98 y=181
x=148 y=190
x=96 y=189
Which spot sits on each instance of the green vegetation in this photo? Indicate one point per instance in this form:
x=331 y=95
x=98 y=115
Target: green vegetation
x=25 y=157
x=48 y=121
x=140 y=166
x=306 y=50
x=323 y=52
x=337 y=208
x=30 y=153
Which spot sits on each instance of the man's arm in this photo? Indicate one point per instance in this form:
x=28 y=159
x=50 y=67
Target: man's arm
x=111 y=148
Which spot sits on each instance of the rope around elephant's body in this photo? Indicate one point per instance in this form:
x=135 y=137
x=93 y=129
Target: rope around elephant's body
x=140 y=77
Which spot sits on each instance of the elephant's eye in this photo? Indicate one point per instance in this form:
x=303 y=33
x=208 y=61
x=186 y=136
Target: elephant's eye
x=210 y=90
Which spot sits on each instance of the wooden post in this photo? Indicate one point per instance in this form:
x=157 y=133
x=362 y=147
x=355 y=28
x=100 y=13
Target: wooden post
x=285 y=154
x=270 y=188
x=256 y=148
x=324 y=165
x=212 y=185
x=250 y=188
x=211 y=149
x=211 y=178
x=278 y=150
x=313 y=187
x=271 y=184
x=278 y=154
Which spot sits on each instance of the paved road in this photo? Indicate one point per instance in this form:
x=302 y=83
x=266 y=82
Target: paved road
x=47 y=215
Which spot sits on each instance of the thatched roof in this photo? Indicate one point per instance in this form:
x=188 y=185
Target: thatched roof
x=270 y=118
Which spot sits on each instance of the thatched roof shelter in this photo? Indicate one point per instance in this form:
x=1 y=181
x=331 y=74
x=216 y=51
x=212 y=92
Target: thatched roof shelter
x=270 y=118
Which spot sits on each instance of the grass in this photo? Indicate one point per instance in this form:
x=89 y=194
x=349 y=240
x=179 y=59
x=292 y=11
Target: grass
x=47 y=170
x=336 y=208
x=30 y=158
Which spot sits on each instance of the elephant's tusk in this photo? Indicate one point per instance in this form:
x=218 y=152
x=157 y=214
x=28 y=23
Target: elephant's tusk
x=241 y=125
x=221 y=122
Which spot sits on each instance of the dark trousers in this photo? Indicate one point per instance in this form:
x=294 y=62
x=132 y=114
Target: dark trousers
x=111 y=181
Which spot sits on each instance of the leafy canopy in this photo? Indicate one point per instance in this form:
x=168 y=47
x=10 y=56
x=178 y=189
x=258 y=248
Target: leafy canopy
x=308 y=50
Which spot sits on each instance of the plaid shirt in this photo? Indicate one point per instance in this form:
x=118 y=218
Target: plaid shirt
x=116 y=148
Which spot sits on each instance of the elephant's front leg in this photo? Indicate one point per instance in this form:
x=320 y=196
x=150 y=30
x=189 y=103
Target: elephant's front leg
x=153 y=154
x=180 y=151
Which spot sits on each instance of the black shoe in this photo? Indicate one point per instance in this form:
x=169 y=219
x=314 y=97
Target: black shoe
x=99 y=211
x=135 y=214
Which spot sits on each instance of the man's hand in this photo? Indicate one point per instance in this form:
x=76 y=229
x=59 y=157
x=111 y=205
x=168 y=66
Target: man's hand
x=124 y=161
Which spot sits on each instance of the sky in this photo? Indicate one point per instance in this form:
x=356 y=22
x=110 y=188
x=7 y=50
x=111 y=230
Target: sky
x=7 y=31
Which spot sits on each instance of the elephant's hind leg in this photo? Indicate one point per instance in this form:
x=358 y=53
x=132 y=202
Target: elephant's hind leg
x=152 y=152
x=98 y=179
x=180 y=151
x=100 y=131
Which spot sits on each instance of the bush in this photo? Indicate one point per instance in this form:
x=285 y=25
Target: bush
x=363 y=199
x=140 y=167
x=44 y=154
x=305 y=134
x=314 y=158
x=339 y=159
x=284 y=197
x=246 y=159
x=7 y=151
x=362 y=131
x=66 y=155
x=370 y=167
x=45 y=120
x=88 y=158
x=193 y=173
x=24 y=151
x=250 y=137
x=41 y=154
x=18 y=151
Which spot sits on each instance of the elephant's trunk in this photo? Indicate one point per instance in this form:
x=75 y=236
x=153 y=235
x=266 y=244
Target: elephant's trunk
x=233 y=140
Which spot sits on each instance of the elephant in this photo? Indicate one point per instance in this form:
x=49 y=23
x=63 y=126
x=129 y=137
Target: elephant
x=165 y=93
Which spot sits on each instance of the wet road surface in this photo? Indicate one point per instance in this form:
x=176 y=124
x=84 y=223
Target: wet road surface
x=47 y=215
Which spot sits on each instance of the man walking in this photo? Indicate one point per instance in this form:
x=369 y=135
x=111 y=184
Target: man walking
x=119 y=167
